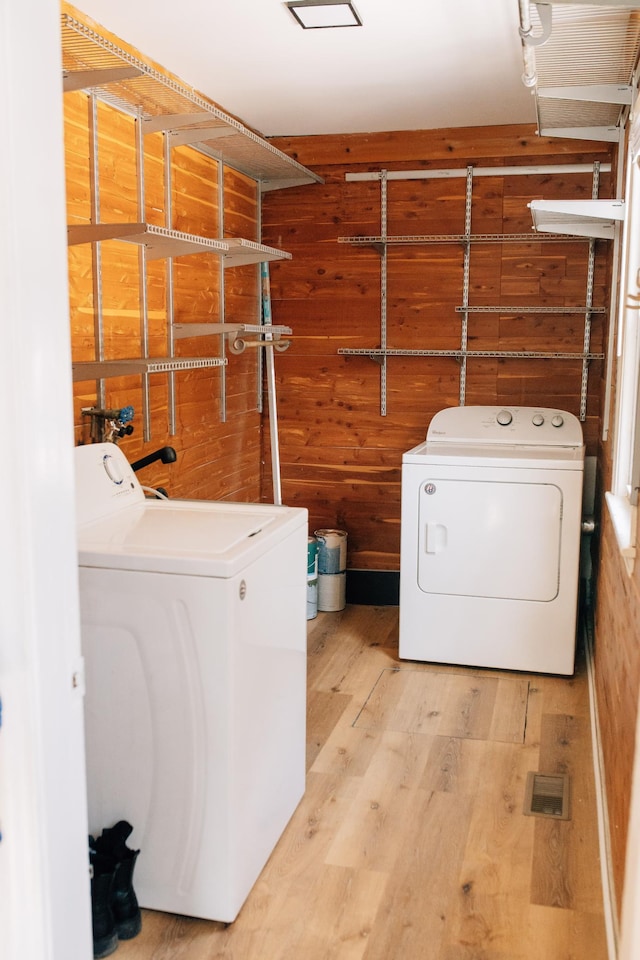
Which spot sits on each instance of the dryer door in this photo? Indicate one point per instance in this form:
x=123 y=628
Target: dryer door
x=489 y=539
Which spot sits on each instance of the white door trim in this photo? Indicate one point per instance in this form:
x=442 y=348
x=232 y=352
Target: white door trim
x=44 y=885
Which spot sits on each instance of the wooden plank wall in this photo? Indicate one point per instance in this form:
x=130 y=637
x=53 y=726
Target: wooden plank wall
x=216 y=459
x=340 y=458
x=617 y=673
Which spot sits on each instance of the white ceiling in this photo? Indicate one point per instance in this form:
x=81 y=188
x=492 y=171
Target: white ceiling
x=413 y=65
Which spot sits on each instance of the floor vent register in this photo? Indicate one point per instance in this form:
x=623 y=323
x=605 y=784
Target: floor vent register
x=547 y=796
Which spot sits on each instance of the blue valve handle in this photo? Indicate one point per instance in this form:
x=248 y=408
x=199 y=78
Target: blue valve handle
x=126 y=414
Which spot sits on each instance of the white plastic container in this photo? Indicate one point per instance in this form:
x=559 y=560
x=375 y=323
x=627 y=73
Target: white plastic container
x=332 y=569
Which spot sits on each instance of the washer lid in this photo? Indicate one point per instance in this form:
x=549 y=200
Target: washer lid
x=195 y=538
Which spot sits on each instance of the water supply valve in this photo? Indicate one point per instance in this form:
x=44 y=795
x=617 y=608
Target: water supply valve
x=109 y=426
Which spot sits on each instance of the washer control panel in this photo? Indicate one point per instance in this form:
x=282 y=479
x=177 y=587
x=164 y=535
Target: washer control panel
x=105 y=482
x=535 y=426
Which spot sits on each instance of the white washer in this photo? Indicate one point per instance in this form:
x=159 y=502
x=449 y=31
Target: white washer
x=194 y=637
x=490 y=539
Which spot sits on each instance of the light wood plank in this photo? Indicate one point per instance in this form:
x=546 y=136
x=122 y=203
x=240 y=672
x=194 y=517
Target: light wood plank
x=413 y=920
x=420 y=701
x=454 y=765
x=566 y=933
x=381 y=821
x=323 y=712
x=346 y=906
x=348 y=750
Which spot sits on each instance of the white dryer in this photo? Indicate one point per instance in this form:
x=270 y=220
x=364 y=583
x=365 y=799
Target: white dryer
x=193 y=628
x=490 y=539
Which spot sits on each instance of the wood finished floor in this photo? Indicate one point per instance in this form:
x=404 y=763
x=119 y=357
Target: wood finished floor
x=410 y=841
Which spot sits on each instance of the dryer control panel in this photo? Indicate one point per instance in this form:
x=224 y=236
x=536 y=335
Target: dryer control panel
x=522 y=426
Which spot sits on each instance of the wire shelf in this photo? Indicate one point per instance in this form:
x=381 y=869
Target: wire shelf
x=96 y=370
x=375 y=352
x=146 y=92
x=589 y=45
x=564 y=310
x=458 y=238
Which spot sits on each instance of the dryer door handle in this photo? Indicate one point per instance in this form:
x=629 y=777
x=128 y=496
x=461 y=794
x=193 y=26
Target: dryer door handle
x=435 y=540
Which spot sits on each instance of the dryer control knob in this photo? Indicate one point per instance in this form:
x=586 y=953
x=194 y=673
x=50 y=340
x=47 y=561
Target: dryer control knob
x=504 y=418
x=537 y=420
x=557 y=421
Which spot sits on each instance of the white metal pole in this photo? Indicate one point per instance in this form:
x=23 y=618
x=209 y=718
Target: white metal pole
x=271 y=386
x=529 y=77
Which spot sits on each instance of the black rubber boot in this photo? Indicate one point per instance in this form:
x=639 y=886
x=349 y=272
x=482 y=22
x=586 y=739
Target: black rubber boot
x=124 y=903
x=105 y=935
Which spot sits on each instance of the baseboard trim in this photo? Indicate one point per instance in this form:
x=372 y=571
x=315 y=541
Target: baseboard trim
x=380 y=588
x=606 y=867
